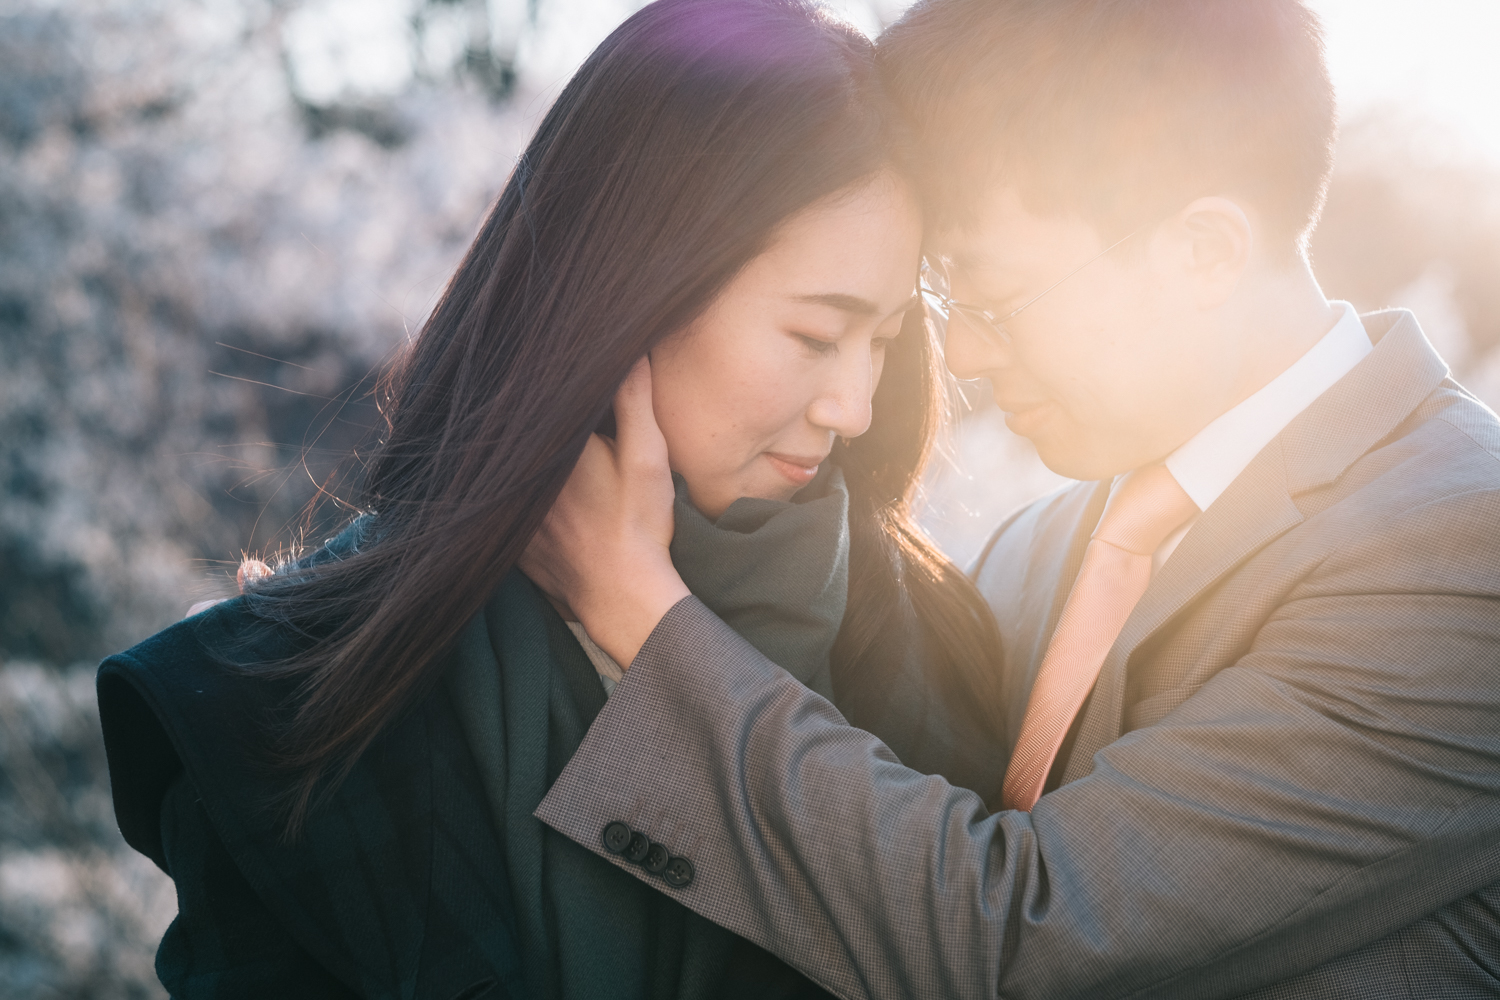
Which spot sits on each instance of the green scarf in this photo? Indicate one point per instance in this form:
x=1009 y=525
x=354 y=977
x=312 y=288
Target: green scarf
x=525 y=694
x=777 y=572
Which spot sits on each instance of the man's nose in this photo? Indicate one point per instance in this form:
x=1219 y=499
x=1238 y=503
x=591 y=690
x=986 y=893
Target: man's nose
x=968 y=352
x=843 y=402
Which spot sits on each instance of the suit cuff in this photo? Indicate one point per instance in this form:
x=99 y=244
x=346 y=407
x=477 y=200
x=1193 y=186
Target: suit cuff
x=647 y=762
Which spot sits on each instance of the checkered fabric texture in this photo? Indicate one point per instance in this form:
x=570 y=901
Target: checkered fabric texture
x=1286 y=783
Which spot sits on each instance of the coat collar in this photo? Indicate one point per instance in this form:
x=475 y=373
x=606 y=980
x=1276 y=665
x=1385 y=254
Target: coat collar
x=1360 y=410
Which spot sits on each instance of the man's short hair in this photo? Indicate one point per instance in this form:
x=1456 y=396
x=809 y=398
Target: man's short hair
x=1120 y=111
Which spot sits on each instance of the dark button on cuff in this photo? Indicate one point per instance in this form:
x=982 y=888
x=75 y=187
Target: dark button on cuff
x=656 y=859
x=638 y=847
x=616 y=837
x=679 y=873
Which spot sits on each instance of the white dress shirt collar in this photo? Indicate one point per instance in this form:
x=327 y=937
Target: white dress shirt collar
x=1215 y=456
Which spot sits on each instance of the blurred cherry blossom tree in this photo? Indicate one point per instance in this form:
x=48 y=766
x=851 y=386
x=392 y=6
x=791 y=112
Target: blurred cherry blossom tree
x=211 y=241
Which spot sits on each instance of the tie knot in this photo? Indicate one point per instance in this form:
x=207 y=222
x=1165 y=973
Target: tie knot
x=1144 y=509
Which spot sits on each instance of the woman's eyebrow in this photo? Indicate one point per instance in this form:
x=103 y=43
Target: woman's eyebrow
x=841 y=301
x=852 y=304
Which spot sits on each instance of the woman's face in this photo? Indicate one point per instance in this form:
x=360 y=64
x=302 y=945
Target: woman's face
x=751 y=396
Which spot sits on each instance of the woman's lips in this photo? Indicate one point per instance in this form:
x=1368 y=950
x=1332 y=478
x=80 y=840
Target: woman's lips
x=798 y=469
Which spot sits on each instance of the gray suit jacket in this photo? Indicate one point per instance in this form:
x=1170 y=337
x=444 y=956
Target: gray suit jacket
x=1286 y=783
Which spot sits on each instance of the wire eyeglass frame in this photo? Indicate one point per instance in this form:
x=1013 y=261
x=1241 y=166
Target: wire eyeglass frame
x=983 y=320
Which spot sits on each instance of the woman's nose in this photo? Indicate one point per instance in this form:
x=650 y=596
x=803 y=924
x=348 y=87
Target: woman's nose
x=843 y=404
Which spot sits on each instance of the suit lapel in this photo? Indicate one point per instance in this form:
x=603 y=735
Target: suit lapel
x=1316 y=448
x=1366 y=405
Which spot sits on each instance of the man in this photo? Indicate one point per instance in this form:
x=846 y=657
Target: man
x=1253 y=660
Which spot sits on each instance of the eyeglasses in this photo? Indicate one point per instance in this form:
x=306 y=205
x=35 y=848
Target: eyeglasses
x=934 y=287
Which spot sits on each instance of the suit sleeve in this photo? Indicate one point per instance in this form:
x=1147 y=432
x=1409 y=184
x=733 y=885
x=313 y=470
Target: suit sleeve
x=224 y=944
x=1337 y=783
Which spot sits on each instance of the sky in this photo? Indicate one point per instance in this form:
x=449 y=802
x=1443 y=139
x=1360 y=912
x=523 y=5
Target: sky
x=1432 y=59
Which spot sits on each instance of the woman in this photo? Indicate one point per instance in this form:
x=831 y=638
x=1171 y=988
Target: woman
x=339 y=768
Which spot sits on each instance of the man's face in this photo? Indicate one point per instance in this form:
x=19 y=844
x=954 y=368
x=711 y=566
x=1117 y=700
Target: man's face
x=1112 y=369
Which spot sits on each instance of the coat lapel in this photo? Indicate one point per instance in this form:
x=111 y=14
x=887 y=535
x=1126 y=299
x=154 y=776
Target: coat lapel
x=1366 y=405
x=1316 y=448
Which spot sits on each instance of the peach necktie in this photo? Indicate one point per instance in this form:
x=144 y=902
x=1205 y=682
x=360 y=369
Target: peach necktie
x=1147 y=507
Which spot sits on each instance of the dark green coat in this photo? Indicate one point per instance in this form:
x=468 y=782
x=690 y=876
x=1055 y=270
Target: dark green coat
x=425 y=874
x=399 y=886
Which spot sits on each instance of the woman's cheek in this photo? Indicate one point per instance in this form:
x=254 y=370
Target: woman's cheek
x=679 y=414
x=776 y=402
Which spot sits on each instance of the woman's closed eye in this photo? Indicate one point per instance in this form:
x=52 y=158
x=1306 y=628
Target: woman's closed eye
x=817 y=345
x=820 y=347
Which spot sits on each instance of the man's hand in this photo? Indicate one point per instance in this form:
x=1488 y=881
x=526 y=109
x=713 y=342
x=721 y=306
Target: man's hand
x=603 y=550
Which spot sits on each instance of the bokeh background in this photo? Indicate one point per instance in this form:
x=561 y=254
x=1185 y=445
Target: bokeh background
x=219 y=219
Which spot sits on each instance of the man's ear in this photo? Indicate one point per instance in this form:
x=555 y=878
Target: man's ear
x=1215 y=241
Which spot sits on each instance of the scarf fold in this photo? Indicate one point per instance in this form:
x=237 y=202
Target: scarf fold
x=777 y=572
x=525 y=693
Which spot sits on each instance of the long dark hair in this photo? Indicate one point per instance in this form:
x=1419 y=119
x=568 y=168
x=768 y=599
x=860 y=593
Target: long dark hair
x=666 y=164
